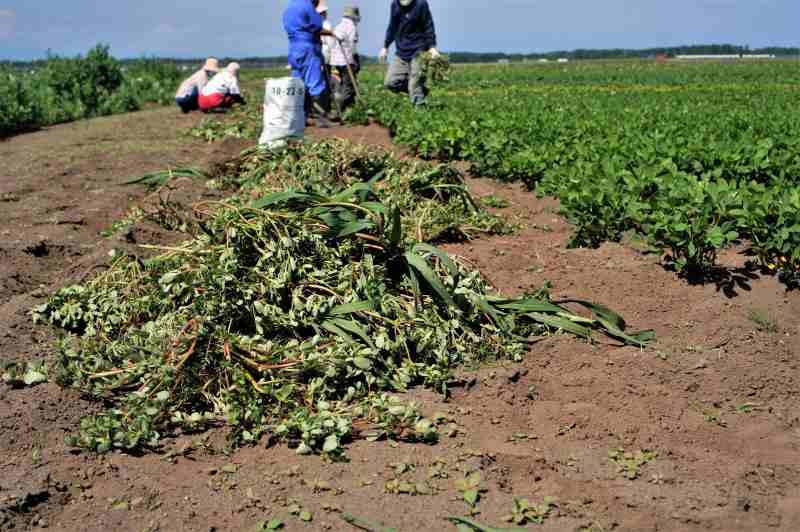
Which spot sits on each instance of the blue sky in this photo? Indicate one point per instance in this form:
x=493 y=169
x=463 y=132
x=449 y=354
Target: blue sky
x=194 y=28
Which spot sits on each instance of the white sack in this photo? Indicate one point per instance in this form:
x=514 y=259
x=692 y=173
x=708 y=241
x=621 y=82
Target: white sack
x=284 y=112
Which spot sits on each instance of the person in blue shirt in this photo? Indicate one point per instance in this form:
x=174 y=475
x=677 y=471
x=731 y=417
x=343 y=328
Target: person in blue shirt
x=303 y=25
x=412 y=31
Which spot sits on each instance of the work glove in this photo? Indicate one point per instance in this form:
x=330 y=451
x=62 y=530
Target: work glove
x=383 y=55
x=435 y=53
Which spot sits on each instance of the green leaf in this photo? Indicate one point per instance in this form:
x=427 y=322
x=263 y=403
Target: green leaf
x=276 y=198
x=362 y=363
x=351 y=308
x=274 y=524
x=527 y=305
x=355 y=227
x=474 y=525
x=331 y=326
x=363 y=524
x=348 y=193
x=331 y=444
x=601 y=312
x=421 y=266
x=33 y=377
x=352 y=327
x=441 y=255
x=558 y=322
x=471 y=497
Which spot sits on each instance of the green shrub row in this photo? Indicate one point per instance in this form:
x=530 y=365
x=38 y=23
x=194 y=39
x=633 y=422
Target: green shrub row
x=66 y=89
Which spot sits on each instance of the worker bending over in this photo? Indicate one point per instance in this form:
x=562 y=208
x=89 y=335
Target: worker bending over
x=343 y=54
x=222 y=91
x=303 y=25
x=412 y=31
x=189 y=91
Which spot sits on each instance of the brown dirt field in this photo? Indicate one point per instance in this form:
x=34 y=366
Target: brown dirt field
x=541 y=428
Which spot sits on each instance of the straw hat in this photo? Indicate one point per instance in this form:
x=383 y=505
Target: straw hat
x=212 y=65
x=233 y=68
x=322 y=7
x=352 y=12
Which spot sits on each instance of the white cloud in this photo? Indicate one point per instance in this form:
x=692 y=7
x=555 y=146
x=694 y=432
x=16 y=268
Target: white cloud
x=8 y=20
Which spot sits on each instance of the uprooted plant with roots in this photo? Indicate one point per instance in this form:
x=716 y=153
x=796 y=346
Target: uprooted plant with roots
x=293 y=316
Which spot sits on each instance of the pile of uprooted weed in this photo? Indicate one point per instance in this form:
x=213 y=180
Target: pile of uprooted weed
x=434 y=199
x=292 y=316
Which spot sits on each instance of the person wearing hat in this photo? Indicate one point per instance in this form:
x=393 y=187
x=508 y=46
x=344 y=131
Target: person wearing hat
x=343 y=54
x=412 y=31
x=304 y=27
x=222 y=91
x=189 y=91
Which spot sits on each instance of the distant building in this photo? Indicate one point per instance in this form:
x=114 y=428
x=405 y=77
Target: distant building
x=563 y=60
x=503 y=61
x=706 y=57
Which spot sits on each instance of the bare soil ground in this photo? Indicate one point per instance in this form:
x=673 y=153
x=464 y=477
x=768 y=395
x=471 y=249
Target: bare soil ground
x=716 y=397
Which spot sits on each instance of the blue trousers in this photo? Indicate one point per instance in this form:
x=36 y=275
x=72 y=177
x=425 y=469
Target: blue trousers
x=306 y=62
x=189 y=102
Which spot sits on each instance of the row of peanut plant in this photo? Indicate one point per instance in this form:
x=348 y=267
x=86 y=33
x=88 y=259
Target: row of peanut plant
x=695 y=157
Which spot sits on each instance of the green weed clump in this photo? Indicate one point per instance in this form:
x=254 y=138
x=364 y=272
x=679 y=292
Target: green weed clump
x=293 y=317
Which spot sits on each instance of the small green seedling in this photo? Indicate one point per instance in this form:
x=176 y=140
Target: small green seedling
x=470 y=488
x=272 y=524
x=747 y=408
x=629 y=463
x=526 y=512
x=763 y=321
x=495 y=202
x=300 y=513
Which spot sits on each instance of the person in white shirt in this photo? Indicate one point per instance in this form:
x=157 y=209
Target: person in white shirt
x=328 y=43
x=222 y=91
x=345 y=53
x=189 y=91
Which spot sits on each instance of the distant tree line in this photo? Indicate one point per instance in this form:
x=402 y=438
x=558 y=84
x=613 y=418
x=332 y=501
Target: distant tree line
x=623 y=53
x=491 y=57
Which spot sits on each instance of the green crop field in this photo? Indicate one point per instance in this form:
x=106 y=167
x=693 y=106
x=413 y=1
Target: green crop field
x=694 y=157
